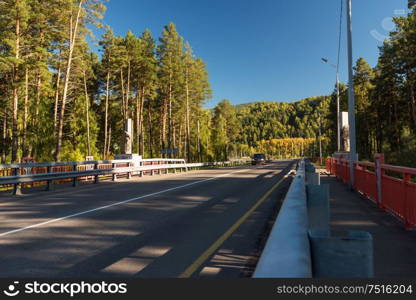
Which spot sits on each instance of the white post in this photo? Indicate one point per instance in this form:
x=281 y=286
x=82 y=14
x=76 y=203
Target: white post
x=338 y=117
x=128 y=136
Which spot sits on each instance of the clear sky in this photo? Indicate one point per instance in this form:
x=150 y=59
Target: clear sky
x=263 y=50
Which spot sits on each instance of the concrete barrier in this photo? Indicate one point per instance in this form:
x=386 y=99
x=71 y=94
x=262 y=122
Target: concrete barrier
x=301 y=243
x=287 y=253
x=342 y=254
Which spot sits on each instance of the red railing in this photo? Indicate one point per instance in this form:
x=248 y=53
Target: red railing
x=391 y=187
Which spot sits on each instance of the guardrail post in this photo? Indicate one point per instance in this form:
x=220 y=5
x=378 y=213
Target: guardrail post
x=129 y=172
x=17 y=187
x=96 y=177
x=140 y=173
x=406 y=209
x=114 y=177
x=49 y=186
x=379 y=160
x=75 y=179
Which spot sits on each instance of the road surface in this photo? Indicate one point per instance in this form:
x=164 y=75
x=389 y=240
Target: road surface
x=195 y=224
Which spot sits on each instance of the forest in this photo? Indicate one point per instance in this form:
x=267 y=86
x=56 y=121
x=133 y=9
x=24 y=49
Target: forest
x=62 y=99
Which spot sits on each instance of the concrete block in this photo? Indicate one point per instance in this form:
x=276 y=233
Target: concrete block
x=318 y=207
x=313 y=178
x=341 y=255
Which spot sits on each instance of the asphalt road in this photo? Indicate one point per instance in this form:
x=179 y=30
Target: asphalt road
x=155 y=226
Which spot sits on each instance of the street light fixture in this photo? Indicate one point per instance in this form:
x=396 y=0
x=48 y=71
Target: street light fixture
x=338 y=105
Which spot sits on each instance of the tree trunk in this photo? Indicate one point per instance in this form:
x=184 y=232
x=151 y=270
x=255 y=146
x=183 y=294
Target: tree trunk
x=15 y=132
x=123 y=108
x=25 y=114
x=413 y=107
x=123 y=100
x=58 y=81
x=180 y=147
x=141 y=137
x=109 y=140
x=188 y=131
x=173 y=140
x=199 y=142
x=138 y=121
x=128 y=90
x=4 y=136
x=87 y=114
x=149 y=125
x=55 y=107
x=73 y=34
x=106 y=116
x=170 y=118
x=163 y=121
x=35 y=123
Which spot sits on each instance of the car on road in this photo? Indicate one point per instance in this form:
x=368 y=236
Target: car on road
x=258 y=159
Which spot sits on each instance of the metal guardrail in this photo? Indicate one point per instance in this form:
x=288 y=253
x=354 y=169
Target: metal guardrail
x=27 y=173
x=286 y=253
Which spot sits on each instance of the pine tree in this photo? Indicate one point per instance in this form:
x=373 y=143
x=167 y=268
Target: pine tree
x=147 y=85
x=79 y=16
x=13 y=27
x=363 y=86
x=107 y=66
x=170 y=53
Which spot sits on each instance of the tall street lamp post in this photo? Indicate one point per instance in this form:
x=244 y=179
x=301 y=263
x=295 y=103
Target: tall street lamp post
x=338 y=105
x=351 y=97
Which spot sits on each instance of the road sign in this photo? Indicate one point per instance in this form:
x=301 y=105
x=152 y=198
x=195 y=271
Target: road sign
x=169 y=151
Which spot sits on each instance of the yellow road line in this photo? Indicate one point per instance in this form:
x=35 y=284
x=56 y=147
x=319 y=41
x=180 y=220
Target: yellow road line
x=197 y=263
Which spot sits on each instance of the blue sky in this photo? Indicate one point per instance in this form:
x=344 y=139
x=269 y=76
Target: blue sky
x=262 y=50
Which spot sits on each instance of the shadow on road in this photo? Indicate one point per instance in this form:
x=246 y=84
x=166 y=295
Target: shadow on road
x=157 y=236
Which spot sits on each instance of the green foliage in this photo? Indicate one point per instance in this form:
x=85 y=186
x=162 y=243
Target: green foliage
x=278 y=129
x=76 y=147
x=290 y=147
x=162 y=85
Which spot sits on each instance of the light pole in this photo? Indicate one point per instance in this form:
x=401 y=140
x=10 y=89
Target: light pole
x=320 y=138
x=338 y=109
x=351 y=97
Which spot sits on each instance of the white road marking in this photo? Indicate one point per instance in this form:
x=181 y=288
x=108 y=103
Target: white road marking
x=115 y=204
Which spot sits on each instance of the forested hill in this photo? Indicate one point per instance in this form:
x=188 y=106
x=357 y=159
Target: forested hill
x=274 y=120
x=293 y=126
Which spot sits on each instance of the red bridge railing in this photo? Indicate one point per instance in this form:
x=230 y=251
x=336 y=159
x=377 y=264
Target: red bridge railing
x=392 y=188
